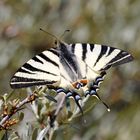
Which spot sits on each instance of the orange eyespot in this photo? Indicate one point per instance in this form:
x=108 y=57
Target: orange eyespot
x=82 y=81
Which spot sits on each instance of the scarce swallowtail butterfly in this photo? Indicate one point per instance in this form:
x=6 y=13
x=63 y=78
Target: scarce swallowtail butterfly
x=69 y=67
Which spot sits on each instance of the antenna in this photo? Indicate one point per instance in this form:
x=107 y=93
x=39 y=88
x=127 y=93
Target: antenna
x=57 y=39
x=67 y=30
x=49 y=33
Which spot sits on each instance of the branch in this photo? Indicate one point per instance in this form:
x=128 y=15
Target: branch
x=5 y=123
x=52 y=119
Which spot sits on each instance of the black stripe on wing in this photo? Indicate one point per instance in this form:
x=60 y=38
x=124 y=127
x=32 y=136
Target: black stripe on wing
x=103 y=52
x=48 y=59
x=84 y=51
x=111 y=49
x=91 y=47
x=54 y=51
x=24 y=71
x=37 y=60
x=121 y=58
x=33 y=69
x=21 y=82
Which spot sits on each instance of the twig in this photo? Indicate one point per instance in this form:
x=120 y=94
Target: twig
x=4 y=123
x=52 y=120
x=50 y=128
x=58 y=109
x=60 y=105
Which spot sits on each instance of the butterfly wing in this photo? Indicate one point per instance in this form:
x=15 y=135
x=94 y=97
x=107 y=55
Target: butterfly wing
x=100 y=57
x=73 y=62
x=40 y=70
x=94 y=60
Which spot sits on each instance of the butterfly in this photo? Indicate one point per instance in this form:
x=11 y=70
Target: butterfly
x=67 y=67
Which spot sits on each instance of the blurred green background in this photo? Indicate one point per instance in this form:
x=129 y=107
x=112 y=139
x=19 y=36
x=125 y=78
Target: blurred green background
x=113 y=23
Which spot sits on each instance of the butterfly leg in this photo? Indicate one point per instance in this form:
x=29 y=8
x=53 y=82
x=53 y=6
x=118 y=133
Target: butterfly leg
x=72 y=94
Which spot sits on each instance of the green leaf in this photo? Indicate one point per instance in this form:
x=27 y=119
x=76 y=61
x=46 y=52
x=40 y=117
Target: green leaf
x=1 y=98
x=34 y=135
x=50 y=98
x=21 y=116
x=5 y=136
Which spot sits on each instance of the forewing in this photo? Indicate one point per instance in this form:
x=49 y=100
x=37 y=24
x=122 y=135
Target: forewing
x=43 y=69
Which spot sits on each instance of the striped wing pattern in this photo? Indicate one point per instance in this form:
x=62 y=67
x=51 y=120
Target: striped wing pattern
x=68 y=63
x=43 y=69
x=99 y=58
